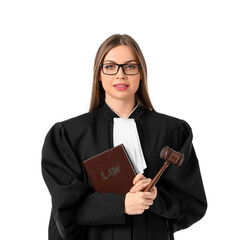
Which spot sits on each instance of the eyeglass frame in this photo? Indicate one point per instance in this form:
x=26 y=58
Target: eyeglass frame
x=120 y=65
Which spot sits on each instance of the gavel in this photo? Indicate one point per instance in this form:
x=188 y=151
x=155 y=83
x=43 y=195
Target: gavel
x=171 y=156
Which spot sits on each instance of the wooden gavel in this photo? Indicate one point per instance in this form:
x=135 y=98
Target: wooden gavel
x=171 y=156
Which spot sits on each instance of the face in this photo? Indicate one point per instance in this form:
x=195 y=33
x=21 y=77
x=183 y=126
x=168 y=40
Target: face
x=120 y=54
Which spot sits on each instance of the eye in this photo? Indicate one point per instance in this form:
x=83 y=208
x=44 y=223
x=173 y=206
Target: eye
x=109 y=66
x=131 y=66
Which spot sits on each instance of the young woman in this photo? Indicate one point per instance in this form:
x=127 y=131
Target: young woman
x=121 y=112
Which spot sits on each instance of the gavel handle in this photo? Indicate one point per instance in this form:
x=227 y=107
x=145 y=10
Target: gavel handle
x=156 y=178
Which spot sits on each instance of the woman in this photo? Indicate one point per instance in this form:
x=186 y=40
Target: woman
x=121 y=112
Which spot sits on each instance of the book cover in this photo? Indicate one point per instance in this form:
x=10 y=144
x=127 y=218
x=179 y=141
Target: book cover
x=111 y=171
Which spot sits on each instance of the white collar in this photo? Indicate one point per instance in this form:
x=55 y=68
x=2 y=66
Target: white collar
x=118 y=114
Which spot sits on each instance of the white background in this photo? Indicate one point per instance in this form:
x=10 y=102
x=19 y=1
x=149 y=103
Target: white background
x=196 y=57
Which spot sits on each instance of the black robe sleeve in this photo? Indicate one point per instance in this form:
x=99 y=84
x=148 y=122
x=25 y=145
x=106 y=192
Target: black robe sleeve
x=73 y=201
x=181 y=197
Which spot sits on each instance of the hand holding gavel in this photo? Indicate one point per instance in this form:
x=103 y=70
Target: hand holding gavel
x=131 y=203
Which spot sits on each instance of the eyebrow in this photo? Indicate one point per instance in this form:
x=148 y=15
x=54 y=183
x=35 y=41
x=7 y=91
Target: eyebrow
x=125 y=62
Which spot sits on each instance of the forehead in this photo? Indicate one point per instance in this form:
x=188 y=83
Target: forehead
x=120 y=54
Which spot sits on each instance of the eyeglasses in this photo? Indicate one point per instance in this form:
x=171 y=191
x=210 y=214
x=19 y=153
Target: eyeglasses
x=113 y=68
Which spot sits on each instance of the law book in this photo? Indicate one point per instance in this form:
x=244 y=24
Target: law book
x=111 y=171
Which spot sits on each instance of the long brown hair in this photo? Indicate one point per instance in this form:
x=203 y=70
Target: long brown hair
x=98 y=93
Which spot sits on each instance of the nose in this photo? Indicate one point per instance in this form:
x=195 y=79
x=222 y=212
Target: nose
x=121 y=73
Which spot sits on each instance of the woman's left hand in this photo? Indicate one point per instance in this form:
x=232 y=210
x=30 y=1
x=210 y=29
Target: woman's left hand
x=140 y=182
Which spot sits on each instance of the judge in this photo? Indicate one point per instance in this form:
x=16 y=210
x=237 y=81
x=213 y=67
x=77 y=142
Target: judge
x=121 y=112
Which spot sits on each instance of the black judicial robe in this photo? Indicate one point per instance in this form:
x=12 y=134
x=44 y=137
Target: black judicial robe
x=80 y=213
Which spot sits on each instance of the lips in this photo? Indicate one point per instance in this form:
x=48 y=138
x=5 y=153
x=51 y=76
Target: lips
x=121 y=85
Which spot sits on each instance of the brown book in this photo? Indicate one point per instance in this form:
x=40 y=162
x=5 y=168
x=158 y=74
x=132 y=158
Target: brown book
x=111 y=171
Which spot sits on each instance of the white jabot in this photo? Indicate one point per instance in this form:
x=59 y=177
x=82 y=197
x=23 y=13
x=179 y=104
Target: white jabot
x=125 y=131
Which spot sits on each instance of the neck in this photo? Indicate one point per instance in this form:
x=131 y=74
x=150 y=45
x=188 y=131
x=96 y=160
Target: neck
x=123 y=107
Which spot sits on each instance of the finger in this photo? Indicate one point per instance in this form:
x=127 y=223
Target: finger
x=141 y=184
x=149 y=202
x=138 y=177
x=146 y=206
x=142 y=181
x=139 y=188
x=153 y=189
x=137 y=184
x=149 y=195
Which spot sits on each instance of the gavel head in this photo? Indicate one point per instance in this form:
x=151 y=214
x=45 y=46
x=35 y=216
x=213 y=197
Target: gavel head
x=176 y=158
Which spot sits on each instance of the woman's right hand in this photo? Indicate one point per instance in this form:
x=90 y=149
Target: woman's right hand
x=136 y=203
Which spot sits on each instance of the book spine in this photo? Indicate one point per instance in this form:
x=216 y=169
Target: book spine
x=129 y=159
